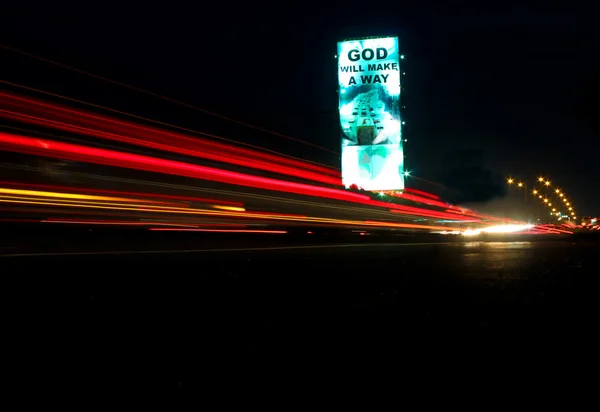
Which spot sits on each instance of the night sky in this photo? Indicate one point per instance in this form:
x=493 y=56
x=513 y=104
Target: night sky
x=515 y=85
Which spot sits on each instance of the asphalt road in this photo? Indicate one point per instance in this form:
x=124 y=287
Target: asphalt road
x=160 y=319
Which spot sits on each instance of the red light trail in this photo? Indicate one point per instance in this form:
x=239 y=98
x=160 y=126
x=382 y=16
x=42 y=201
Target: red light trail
x=421 y=193
x=73 y=152
x=65 y=119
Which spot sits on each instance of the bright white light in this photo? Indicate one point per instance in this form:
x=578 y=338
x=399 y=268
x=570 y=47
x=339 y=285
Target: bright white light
x=448 y=232
x=375 y=172
x=506 y=228
x=498 y=229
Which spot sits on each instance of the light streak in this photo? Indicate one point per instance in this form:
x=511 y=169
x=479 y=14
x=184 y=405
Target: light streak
x=227 y=214
x=125 y=194
x=421 y=193
x=74 y=152
x=67 y=119
x=497 y=229
x=69 y=196
x=113 y=223
x=230 y=208
x=218 y=231
x=68 y=151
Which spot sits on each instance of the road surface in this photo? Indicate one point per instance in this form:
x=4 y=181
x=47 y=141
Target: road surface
x=182 y=318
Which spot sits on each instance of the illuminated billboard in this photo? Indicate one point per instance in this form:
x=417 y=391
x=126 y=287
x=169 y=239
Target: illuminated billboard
x=369 y=107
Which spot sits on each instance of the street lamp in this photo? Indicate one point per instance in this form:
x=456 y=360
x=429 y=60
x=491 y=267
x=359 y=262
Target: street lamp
x=520 y=185
x=556 y=192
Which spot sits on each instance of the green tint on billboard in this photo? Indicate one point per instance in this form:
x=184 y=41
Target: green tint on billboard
x=369 y=107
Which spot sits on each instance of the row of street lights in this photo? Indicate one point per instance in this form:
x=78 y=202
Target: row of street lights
x=544 y=194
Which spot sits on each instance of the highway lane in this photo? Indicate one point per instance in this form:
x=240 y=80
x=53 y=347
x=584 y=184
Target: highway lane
x=162 y=320
x=254 y=200
x=69 y=240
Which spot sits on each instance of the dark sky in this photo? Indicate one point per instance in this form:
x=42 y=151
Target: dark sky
x=515 y=82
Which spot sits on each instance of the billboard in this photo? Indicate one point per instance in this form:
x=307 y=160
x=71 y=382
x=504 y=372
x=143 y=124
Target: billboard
x=369 y=108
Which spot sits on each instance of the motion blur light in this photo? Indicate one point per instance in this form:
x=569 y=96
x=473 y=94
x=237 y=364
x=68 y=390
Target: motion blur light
x=498 y=229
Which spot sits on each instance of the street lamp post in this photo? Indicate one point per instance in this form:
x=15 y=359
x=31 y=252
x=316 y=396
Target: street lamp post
x=559 y=199
x=523 y=185
x=550 y=197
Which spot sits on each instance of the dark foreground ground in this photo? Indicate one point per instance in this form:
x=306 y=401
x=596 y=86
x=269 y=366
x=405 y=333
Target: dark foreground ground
x=297 y=310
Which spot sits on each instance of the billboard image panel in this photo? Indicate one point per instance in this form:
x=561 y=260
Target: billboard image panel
x=369 y=108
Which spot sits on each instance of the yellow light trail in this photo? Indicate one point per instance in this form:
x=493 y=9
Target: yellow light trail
x=230 y=208
x=79 y=203
x=212 y=191
x=226 y=214
x=74 y=196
